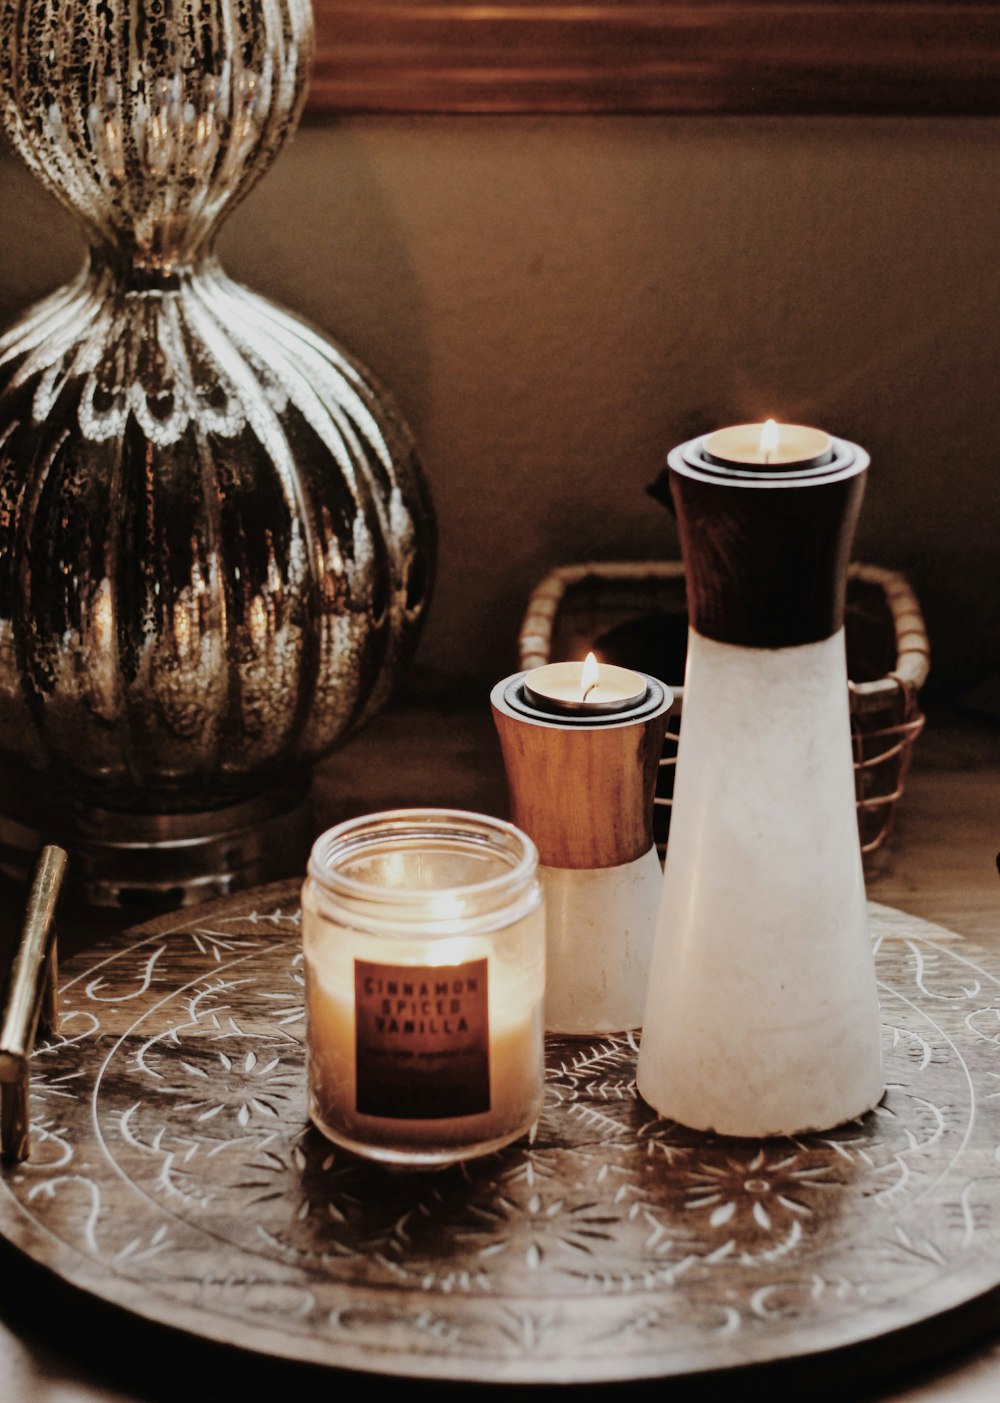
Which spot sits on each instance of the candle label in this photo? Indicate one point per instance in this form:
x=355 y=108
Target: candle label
x=422 y=1042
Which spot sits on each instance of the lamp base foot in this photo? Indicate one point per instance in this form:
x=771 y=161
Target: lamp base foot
x=149 y=862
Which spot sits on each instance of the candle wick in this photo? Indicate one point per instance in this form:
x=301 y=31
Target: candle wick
x=767 y=458
x=588 y=691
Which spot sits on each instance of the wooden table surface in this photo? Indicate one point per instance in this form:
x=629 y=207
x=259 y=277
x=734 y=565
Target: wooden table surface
x=57 y=1346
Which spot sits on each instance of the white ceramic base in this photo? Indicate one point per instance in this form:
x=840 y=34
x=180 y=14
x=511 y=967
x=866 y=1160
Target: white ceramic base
x=762 y=1016
x=599 y=930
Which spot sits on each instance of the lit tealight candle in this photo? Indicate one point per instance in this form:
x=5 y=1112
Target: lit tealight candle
x=584 y=687
x=770 y=445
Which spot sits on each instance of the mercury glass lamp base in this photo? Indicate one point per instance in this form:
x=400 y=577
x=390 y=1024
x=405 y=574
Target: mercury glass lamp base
x=161 y=861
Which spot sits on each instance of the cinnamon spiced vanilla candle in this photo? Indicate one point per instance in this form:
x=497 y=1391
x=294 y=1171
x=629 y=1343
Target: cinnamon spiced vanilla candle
x=424 y=943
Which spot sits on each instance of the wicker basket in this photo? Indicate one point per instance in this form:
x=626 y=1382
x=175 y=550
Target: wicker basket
x=635 y=614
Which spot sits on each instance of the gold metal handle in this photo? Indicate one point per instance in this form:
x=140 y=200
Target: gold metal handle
x=29 y=1000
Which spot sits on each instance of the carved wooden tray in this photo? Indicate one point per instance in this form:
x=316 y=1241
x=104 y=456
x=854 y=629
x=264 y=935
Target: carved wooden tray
x=172 y=1172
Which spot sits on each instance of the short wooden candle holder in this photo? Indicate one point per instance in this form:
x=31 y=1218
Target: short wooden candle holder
x=582 y=788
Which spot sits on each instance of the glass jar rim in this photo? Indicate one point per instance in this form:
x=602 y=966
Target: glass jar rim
x=351 y=836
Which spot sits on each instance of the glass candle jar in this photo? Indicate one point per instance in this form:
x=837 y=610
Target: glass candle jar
x=424 y=940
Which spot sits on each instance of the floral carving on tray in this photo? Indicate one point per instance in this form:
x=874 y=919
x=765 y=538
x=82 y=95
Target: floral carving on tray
x=174 y=1170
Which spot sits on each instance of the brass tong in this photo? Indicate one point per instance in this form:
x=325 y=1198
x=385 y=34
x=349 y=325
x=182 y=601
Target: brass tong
x=29 y=1001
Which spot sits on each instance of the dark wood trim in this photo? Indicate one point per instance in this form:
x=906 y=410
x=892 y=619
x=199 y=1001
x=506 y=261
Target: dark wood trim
x=765 y=560
x=700 y=56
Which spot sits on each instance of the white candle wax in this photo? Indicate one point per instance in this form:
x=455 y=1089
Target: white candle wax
x=568 y=686
x=769 y=445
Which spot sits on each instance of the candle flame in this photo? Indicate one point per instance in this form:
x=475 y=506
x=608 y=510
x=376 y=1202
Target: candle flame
x=770 y=436
x=589 y=677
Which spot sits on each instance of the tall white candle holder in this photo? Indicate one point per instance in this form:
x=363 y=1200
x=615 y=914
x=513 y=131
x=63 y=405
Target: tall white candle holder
x=581 y=786
x=762 y=1015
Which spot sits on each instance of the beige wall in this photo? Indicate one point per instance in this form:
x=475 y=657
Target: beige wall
x=556 y=302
